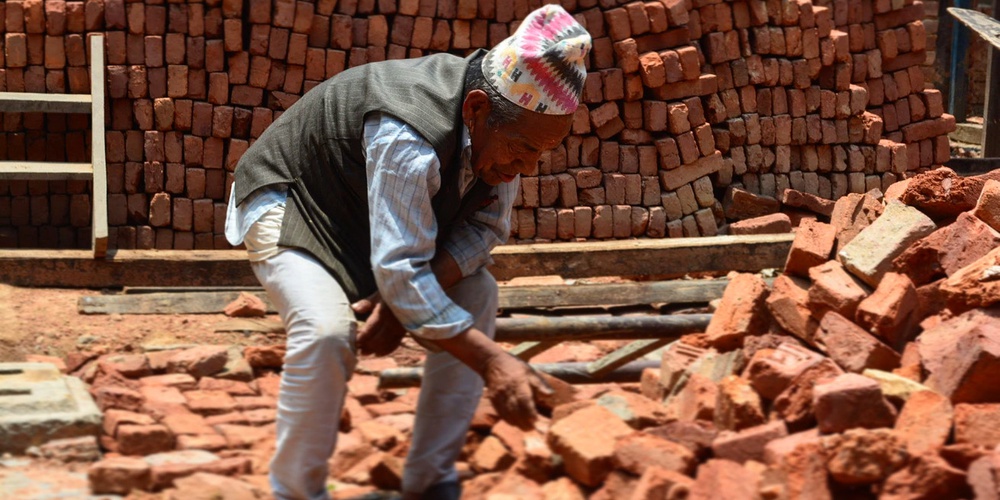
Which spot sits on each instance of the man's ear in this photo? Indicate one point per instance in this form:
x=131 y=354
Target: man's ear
x=476 y=106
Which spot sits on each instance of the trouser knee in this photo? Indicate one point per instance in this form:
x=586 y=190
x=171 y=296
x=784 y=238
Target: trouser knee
x=326 y=336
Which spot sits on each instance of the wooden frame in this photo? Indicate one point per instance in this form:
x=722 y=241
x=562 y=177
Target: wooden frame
x=96 y=170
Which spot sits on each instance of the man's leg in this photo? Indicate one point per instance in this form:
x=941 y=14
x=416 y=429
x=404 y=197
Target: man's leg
x=449 y=395
x=319 y=360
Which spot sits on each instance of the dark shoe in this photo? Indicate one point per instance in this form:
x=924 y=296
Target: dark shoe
x=443 y=491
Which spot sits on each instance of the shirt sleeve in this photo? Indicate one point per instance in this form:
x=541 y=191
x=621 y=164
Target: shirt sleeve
x=470 y=242
x=403 y=174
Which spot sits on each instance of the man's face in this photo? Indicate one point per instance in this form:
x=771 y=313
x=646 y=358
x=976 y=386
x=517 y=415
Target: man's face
x=499 y=154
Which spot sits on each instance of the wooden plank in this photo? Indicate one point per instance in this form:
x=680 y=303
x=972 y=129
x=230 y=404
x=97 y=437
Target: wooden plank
x=528 y=350
x=207 y=300
x=35 y=170
x=163 y=303
x=651 y=257
x=99 y=200
x=76 y=269
x=259 y=325
x=624 y=355
x=984 y=25
x=131 y=290
x=612 y=294
x=28 y=102
x=79 y=268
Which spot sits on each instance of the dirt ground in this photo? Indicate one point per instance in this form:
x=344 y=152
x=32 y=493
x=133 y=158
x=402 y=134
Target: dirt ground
x=45 y=321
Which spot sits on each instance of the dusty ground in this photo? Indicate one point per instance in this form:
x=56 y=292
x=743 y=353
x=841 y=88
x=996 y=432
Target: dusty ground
x=46 y=321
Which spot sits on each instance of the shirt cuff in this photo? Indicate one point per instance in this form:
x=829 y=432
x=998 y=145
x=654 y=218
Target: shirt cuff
x=447 y=323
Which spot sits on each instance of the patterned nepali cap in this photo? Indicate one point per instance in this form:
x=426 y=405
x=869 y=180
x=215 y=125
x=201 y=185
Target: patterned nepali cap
x=541 y=66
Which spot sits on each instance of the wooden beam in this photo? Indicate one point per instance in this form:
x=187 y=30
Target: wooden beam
x=613 y=294
x=624 y=355
x=212 y=300
x=647 y=257
x=29 y=102
x=36 y=170
x=163 y=303
x=973 y=166
x=78 y=269
x=528 y=350
x=985 y=26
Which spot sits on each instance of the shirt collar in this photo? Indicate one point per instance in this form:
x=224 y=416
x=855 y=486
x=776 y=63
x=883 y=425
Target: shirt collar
x=466 y=141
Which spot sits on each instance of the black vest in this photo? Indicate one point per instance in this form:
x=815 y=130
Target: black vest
x=315 y=149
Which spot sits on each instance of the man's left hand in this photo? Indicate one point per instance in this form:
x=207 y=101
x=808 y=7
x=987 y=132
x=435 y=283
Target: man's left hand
x=382 y=333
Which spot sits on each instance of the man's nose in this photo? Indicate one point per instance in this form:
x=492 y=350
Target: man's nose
x=526 y=167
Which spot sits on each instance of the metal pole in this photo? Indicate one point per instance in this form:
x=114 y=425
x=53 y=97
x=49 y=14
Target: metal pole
x=574 y=373
x=599 y=328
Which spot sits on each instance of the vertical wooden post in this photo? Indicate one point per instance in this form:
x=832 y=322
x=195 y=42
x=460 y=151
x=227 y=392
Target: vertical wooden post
x=991 y=108
x=99 y=201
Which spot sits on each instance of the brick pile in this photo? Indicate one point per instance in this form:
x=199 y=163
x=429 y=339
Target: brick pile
x=683 y=100
x=863 y=370
x=171 y=414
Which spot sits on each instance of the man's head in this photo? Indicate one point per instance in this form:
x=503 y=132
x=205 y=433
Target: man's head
x=520 y=97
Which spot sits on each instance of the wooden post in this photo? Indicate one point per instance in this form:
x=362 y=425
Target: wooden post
x=991 y=108
x=988 y=28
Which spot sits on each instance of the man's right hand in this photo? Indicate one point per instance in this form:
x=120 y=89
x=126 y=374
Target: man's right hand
x=382 y=332
x=510 y=383
x=512 y=386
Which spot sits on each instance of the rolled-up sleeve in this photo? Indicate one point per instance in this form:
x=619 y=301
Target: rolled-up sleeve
x=471 y=242
x=403 y=175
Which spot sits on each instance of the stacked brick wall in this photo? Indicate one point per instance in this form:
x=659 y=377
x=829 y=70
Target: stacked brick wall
x=684 y=101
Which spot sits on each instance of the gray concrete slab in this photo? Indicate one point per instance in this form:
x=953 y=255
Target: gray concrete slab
x=39 y=404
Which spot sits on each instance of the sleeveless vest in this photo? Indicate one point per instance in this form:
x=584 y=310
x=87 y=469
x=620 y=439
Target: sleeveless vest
x=315 y=149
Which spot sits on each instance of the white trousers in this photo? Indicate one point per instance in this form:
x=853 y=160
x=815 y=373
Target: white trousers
x=320 y=359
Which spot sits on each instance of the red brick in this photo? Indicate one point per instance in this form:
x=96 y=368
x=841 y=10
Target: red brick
x=767 y=224
x=587 y=455
x=119 y=475
x=738 y=406
x=925 y=422
x=653 y=72
x=618 y=24
x=957 y=353
x=850 y=401
x=144 y=439
x=718 y=475
x=771 y=371
x=640 y=452
x=812 y=246
x=852 y=347
x=741 y=312
x=748 y=444
x=977 y=424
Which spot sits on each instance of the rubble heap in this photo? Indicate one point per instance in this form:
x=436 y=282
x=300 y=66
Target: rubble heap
x=170 y=414
x=864 y=370
x=684 y=98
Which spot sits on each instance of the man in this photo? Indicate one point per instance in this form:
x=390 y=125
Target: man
x=382 y=192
